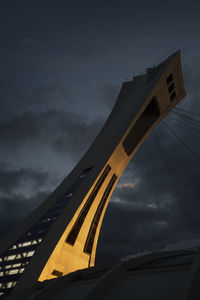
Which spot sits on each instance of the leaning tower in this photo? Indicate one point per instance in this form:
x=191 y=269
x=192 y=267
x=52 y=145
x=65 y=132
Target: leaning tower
x=61 y=235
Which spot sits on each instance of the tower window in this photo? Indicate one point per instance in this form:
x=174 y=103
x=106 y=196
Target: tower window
x=57 y=273
x=71 y=238
x=172 y=96
x=141 y=126
x=93 y=228
x=169 y=79
x=171 y=88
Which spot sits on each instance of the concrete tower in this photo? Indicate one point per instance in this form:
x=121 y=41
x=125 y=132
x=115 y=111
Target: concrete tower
x=61 y=235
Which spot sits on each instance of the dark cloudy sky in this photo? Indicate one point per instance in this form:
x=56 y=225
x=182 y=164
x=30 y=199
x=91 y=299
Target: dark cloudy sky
x=61 y=67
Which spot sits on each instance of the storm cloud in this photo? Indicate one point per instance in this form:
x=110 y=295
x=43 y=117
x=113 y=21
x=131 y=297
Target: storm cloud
x=61 y=68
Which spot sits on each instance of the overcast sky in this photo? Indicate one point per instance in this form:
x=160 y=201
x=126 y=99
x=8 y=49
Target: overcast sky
x=61 y=67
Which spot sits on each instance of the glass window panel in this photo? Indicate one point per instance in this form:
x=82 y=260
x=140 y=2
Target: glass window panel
x=13 y=247
x=21 y=270
x=8 y=266
x=16 y=265
x=173 y=96
x=169 y=79
x=30 y=253
x=11 y=257
x=26 y=244
x=171 y=88
x=12 y=272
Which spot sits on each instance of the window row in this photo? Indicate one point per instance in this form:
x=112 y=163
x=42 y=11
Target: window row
x=15 y=259
x=72 y=236
x=93 y=227
x=171 y=87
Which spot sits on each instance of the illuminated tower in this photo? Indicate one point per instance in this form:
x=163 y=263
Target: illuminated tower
x=61 y=235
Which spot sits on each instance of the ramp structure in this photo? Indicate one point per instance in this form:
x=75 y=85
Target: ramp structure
x=61 y=235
